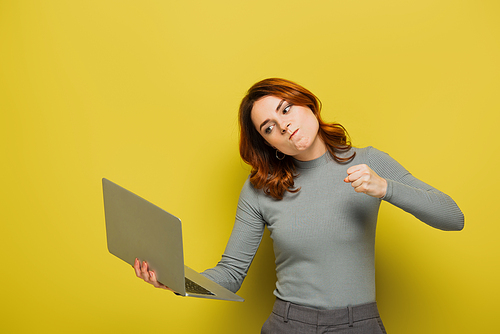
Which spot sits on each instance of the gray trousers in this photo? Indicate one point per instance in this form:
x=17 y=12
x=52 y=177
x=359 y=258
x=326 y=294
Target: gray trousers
x=288 y=318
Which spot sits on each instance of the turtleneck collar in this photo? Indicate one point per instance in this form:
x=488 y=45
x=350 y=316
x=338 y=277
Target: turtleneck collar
x=322 y=160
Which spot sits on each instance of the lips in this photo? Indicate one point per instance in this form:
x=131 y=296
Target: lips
x=289 y=138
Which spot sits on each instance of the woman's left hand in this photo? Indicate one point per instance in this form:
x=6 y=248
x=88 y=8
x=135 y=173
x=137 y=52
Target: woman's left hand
x=365 y=180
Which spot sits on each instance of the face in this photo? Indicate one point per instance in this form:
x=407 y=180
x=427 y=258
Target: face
x=291 y=129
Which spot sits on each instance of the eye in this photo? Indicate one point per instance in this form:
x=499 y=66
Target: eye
x=269 y=129
x=287 y=109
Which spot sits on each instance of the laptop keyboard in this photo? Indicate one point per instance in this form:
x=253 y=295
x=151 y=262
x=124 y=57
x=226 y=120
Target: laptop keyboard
x=196 y=288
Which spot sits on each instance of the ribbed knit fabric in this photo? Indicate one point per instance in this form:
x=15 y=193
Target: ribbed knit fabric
x=324 y=235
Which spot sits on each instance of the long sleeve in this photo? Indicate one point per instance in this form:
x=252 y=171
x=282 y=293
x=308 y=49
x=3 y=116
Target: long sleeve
x=324 y=226
x=426 y=203
x=243 y=243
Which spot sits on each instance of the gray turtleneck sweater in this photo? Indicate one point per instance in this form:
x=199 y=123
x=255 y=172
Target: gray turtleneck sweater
x=324 y=235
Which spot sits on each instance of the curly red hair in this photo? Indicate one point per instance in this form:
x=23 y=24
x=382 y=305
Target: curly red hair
x=269 y=173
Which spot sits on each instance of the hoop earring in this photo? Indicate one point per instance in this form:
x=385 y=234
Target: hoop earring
x=277 y=157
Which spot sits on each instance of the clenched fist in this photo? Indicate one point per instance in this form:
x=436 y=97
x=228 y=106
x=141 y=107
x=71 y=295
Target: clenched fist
x=364 y=180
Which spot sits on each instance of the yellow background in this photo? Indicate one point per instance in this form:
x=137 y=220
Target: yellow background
x=145 y=93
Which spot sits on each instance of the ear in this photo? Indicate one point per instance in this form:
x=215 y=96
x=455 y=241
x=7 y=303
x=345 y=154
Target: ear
x=267 y=143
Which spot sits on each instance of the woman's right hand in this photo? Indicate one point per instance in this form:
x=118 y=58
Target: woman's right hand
x=149 y=276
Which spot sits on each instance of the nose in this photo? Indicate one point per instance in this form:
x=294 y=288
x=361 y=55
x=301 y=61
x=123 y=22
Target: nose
x=285 y=128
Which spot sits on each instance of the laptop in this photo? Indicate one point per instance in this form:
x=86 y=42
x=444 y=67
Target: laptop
x=136 y=228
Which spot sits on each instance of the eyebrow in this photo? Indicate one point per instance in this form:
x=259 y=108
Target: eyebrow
x=279 y=104
x=267 y=120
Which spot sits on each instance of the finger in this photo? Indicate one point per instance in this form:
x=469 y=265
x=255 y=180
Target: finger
x=152 y=279
x=357 y=175
x=155 y=282
x=354 y=172
x=358 y=183
x=144 y=267
x=137 y=268
x=144 y=271
x=355 y=168
x=362 y=188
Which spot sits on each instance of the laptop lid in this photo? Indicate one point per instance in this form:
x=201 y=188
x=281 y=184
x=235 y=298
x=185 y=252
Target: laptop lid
x=136 y=228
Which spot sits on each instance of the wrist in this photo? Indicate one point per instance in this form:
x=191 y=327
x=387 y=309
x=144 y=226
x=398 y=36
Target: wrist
x=383 y=188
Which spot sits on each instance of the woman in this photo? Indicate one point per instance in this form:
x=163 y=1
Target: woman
x=319 y=197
